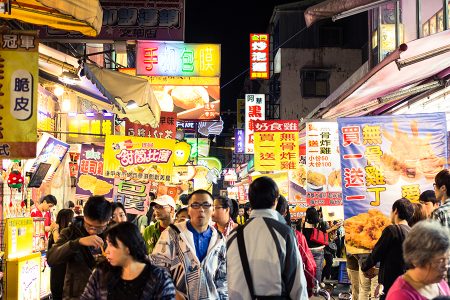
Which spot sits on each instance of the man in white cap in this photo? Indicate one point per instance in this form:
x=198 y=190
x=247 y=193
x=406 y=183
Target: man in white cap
x=164 y=210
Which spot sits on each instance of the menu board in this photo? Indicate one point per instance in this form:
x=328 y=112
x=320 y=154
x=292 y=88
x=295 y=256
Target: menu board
x=323 y=177
x=385 y=158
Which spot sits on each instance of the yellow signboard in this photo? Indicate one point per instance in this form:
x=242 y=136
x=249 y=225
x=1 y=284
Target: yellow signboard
x=23 y=277
x=138 y=158
x=19 y=237
x=276 y=145
x=18 y=93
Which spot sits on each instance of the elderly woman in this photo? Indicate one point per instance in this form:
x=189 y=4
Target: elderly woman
x=426 y=251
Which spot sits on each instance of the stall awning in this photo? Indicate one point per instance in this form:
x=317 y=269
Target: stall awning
x=121 y=89
x=416 y=66
x=85 y=16
x=330 y=8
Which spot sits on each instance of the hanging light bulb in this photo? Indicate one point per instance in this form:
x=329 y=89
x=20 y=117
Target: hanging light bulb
x=59 y=91
x=65 y=107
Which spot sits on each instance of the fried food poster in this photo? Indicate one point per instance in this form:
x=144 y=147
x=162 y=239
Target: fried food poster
x=90 y=174
x=323 y=176
x=385 y=158
x=138 y=158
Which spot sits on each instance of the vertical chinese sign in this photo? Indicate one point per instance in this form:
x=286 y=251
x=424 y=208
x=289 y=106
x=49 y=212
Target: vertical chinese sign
x=166 y=129
x=385 y=158
x=18 y=89
x=323 y=179
x=90 y=174
x=259 y=56
x=239 y=141
x=138 y=158
x=240 y=113
x=255 y=105
x=276 y=145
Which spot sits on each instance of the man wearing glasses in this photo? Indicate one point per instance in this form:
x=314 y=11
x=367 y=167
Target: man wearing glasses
x=194 y=252
x=164 y=210
x=79 y=245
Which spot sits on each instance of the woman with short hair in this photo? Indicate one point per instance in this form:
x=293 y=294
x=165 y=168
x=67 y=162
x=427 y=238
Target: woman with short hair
x=426 y=252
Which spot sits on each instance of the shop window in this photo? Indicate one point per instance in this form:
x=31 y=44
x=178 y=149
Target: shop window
x=315 y=83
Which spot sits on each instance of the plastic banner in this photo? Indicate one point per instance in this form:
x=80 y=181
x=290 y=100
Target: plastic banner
x=90 y=179
x=385 y=158
x=276 y=145
x=138 y=158
x=323 y=177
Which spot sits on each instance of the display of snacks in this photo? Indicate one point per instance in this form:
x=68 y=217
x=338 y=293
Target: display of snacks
x=39 y=241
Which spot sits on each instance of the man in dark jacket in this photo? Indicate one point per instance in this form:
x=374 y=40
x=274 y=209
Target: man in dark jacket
x=388 y=250
x=80 y=244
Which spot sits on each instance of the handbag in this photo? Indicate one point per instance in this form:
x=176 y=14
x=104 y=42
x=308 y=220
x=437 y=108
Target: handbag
x=319 y=237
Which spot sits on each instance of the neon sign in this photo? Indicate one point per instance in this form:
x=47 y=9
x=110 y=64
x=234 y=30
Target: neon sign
x=177 y=59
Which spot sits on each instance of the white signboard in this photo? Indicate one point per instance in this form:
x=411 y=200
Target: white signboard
x=254 y=110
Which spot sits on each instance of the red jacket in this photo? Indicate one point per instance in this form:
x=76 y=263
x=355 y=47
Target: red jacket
x=308 y=261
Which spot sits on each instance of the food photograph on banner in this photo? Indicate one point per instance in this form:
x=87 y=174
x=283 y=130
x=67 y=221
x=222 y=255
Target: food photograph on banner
x=323 y=176
x=90 y=180
x=385 y=158
x=188 y=75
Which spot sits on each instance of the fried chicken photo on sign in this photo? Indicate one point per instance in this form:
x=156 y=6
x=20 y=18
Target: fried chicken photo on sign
x=364 y=230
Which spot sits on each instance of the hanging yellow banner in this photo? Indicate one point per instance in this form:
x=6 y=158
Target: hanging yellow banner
x=138 y=158
x=276 y=145
x=18 y=93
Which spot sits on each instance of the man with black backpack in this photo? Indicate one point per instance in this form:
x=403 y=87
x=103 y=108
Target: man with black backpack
x=263 y=260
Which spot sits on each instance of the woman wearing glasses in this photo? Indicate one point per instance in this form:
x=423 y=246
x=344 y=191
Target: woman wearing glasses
x=426 y=250
x=225 y=210
x=194 y=252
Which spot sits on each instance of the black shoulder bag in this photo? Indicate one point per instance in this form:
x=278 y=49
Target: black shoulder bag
x=246 y=267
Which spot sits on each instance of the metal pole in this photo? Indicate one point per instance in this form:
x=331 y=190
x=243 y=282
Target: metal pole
x=419 y=18
x=397 y=24
x=445 y=10
x=71 y=132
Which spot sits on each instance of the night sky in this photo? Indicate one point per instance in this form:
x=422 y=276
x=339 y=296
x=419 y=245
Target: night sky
x=228 y=23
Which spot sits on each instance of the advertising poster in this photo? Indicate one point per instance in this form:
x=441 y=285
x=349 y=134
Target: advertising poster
x=323 y=177
x=255 y=109
x=138 y=158
x=207 y=173
x=276 y=145
x=385 y=158
x=90 y=180
x=189 y=102
x=166 y=129
x=52 y=152
x=134 y=195
x=18 y=87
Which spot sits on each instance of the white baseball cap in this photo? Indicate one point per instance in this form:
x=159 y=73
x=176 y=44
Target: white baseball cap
x=164 y=200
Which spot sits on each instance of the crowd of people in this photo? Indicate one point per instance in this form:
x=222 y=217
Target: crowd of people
x=209 y=247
